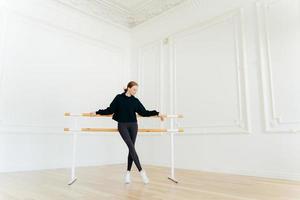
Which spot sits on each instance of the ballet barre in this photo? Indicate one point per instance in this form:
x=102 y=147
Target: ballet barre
x=89 y=115
x=163 y=130
x=76 y=129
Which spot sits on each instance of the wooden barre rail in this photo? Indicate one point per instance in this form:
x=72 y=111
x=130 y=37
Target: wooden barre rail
x=116 y=130
x=67 y=114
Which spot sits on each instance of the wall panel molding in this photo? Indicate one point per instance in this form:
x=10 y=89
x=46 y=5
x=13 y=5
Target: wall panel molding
x=117 y=51
x=242 y=123
x=273 y=121
x=155 y=48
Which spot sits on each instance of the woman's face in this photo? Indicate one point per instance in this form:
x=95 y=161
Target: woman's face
x=133 y=90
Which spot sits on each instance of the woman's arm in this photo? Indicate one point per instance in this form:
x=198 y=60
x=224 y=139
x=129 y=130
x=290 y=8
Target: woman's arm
x=109 y=110
x=143 y=112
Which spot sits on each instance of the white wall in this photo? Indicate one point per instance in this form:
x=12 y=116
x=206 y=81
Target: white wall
x=55 y=59
x=240 y=117
x=235 y=81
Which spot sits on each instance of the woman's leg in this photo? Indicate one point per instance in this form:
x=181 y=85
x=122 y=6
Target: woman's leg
x=133 y=129
x=124 y=132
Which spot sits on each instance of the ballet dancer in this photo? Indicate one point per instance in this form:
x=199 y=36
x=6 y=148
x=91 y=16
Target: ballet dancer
x=124 y=107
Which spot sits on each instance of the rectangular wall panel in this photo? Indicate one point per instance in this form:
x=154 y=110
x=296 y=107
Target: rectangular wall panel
x=47 y=71
x=279 y=31
x=210 y=76
x=150 y=80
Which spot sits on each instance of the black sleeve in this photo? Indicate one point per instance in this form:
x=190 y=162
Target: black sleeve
x=143 y=112
x=111 y=109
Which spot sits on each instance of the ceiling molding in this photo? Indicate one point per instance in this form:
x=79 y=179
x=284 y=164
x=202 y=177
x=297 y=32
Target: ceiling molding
x=116 y=12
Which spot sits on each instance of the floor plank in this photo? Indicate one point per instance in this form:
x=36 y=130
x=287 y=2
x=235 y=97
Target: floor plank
x=106 y=182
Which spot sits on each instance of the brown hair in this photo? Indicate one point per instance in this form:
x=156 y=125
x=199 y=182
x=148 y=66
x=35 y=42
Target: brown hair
x=129 y=85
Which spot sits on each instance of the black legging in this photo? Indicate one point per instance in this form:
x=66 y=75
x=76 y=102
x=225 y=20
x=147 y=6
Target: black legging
x=128 y=131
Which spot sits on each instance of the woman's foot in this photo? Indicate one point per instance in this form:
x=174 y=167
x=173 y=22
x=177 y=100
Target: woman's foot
x=127 y=177
x=144 y=176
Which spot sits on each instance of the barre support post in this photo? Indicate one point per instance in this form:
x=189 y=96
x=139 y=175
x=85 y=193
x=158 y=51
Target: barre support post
x=73 y=174
x=172 y=177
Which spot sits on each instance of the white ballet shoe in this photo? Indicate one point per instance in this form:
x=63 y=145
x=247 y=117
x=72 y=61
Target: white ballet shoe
x=144 y=176
x=127 y=177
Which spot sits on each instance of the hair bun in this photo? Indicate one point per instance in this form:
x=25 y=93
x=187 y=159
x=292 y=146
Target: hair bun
x=130 y=84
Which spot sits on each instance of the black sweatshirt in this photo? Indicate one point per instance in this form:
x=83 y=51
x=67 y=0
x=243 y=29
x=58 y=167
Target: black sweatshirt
x=124 y=109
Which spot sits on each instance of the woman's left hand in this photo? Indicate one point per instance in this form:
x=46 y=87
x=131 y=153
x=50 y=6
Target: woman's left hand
x=162 y=116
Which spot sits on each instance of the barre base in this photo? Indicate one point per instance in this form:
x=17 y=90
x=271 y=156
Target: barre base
x=72 y=181
x=173 y=179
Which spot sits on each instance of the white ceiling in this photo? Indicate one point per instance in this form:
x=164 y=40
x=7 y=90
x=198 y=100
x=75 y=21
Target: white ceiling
x=127 y=13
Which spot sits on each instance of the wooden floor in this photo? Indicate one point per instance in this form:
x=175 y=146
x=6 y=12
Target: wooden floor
x=106 y=182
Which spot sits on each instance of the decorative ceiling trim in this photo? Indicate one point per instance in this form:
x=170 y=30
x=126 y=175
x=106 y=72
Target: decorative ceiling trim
x=152 y=9
x=116 y=13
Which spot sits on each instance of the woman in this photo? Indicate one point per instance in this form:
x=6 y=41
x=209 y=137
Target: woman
x=124 y=107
